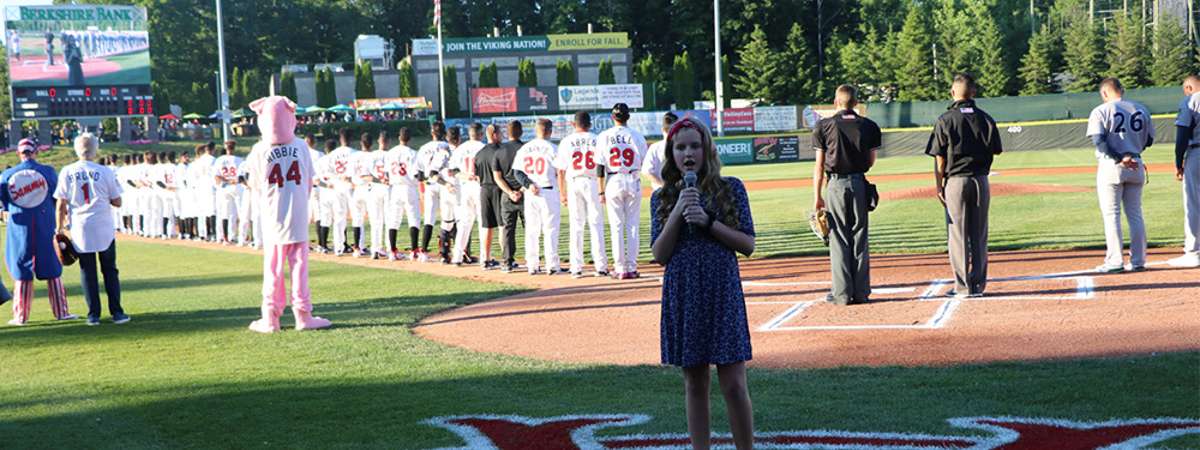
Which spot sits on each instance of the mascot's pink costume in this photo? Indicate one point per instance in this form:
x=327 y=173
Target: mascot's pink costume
x=280 y=173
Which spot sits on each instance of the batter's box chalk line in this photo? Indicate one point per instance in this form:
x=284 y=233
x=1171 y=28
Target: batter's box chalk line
x=934 y=292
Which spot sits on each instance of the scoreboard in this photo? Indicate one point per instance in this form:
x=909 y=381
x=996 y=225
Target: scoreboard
x=86 y=101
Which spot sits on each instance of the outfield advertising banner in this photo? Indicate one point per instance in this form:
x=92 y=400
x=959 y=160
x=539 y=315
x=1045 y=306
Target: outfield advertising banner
x=508 y=44
x=738 y=119
x=534 y=99
x=603 y=96
x=735 y=151
x=493 y=100
x=776 y=149
x=775 y=118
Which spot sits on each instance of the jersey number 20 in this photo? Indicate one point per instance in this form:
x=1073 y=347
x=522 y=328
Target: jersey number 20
x=275 y=176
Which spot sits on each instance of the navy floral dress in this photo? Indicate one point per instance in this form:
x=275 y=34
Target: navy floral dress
x=703 y=310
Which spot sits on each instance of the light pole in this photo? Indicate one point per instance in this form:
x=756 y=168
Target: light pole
x=720 y=92
x=224 y=93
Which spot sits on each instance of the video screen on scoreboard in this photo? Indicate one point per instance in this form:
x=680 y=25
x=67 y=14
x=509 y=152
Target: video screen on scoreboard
x=80 y=60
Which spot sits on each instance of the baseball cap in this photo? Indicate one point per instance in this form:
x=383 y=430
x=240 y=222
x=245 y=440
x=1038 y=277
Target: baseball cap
x=26 y=146
x=620 y=109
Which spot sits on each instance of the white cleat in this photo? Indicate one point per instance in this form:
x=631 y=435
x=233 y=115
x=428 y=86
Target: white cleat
x=1185 y=262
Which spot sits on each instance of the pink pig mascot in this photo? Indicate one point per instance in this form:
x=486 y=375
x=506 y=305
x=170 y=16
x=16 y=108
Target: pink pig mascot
x=280 y=173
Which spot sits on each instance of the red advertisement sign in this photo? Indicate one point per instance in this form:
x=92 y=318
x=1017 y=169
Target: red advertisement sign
x=738 y=119
x=493 y=100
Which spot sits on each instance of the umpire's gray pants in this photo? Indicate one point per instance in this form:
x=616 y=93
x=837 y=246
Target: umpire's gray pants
x=1117 y=186
x=967 y=201
x=1191 y=202
x=849 y=257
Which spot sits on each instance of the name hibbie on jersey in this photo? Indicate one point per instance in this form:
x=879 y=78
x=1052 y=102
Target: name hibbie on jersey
x=281 y=176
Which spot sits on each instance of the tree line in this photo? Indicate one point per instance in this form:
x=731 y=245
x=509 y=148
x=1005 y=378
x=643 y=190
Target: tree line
x=779 y=51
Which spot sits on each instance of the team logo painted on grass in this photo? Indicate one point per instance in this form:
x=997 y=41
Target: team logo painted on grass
x=999 y=433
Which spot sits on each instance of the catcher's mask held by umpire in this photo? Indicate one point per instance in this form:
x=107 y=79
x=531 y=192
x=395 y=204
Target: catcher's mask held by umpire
x=818 y=221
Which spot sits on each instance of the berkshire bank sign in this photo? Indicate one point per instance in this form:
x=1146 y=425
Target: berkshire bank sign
x=511 y=44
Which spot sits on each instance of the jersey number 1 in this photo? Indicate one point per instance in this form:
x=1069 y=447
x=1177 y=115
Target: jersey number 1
x=275 y=176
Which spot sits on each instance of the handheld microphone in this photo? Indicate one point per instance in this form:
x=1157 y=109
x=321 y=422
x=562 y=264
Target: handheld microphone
x=689 y=181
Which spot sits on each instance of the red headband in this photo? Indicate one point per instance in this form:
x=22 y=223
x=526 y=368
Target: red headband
x=685 y=122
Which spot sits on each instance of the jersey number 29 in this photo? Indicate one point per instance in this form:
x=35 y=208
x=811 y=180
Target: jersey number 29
x=621 y=158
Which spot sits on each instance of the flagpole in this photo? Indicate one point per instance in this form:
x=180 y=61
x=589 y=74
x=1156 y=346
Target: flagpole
x=437 y=17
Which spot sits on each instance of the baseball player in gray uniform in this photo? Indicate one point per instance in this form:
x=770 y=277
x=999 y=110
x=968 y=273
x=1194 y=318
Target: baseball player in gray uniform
x=1121 y=130
x=1187 y=170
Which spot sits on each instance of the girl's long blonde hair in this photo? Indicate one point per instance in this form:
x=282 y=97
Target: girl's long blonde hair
x=714 y=189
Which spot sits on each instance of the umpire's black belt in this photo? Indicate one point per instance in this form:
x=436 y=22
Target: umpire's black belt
x=846 y=175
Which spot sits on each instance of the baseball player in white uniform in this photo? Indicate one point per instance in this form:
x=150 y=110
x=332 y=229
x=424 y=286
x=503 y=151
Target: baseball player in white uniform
x=1121 y=130
x=534 y=168
x=168 y=194
x=404 y=196
x=656 y=156
x=432 y=159
x=182 y=197
x=377 y=196
x=225 y=177
x=363 y=164
x=1187 y=170
x=128 y=218
x=337 y=172
x=325 y=184
x=620 y=150
x=314 y=198
x=249 y=226
x=579 y=178
x=147 y=199
x=280 y=174
x=200 y=176
x=462 y=164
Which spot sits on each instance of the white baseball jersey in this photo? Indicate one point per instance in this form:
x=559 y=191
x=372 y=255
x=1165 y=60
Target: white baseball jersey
x=178 y=176
x=1125 y=125
x=656 y=157
x=577 y=155
x=463 y=158
x=620 y=150
x=370 y=164
x=201 y=171
x=1189 y=116
x=535 y=159
x=401 y=165
x=338 y=165
x=88 y=187
x=432 y=158
x=164 y=173
x=281 y=177
x=226 y=167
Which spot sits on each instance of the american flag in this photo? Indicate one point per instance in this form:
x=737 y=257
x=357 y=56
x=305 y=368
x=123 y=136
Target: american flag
x=437 y=11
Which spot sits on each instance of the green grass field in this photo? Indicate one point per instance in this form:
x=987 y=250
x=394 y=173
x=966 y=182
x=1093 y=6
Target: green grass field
x=187 y=374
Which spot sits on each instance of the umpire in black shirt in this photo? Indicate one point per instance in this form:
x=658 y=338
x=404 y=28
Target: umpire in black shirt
x=845 y=145
x=963 y=142
x=511 y=204
x=489 y=195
